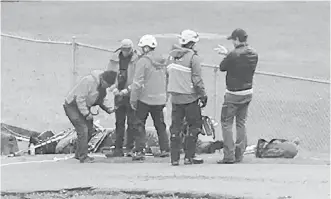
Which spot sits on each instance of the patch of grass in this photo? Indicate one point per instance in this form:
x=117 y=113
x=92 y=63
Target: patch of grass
x=124 y=194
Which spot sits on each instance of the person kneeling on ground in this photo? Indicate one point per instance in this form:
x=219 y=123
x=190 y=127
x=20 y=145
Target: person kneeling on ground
x=90 y=91
x=148 y=95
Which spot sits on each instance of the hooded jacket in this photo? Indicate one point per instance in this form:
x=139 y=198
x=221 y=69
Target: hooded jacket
x=114 y=65
x=149 y=82
x=85 y=94
x=185 y=82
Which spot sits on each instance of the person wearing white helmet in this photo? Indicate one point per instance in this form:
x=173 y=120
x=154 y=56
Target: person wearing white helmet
x=148 y=95
x=123 y=62
x=188 y=96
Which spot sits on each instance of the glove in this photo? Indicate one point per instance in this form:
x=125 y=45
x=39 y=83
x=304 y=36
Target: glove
x=124 y=92
x=110 y=110
x=89 y=117
x=133 y=105
x=221 y=50
x=116 y=91
x=203 y=101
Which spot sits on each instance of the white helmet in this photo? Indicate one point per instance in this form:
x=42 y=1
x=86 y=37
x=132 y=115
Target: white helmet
x=188 y=35
x=147 y=40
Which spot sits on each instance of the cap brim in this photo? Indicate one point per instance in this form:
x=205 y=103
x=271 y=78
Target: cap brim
x=229 y=38
x=126 y=47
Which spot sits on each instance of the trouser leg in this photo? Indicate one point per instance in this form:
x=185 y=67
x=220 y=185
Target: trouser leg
x=141 y=117
x=194 y=122
x=241 y=138
x=227 y=117
x=177 y=116
x=160 y=126
x=82 y=129
x=131 y=117
x=120 y=115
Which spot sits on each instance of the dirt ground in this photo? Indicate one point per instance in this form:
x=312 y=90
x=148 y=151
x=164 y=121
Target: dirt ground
x=254 y=178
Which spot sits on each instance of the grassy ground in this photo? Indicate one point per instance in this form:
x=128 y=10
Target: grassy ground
x=103 y=195
x=290 y=37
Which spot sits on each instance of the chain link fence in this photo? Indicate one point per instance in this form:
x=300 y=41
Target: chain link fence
x=36 y=78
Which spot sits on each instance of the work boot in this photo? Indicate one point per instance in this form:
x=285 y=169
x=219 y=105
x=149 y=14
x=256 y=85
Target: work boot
x=138 y=156
x=197 y=160
x=188 y=161
x=87 y=159
x=175 y=163
x=115 y=153
x=128 y=152
x=162 y=154
x=194 y=160
x=225 y=162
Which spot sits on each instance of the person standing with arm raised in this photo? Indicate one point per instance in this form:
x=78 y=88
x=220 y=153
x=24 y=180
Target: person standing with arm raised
x=239 y=65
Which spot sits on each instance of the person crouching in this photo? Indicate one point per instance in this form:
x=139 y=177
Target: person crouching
x=90 y=91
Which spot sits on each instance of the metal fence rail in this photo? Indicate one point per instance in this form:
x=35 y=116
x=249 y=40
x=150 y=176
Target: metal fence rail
x=300 y=111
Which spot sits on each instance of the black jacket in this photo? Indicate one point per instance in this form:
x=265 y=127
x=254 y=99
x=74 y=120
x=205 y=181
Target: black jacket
x=240 y=65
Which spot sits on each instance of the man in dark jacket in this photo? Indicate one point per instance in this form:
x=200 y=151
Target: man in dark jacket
x=239 y=65
x=90 y=91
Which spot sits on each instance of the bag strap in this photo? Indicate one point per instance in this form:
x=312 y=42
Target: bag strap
x=191 y=61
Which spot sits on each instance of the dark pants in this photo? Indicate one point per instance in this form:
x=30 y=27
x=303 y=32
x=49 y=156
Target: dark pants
x=83 y=127
x=234 y=106
x=156 y=112
x=124 y=112
x=192 y=114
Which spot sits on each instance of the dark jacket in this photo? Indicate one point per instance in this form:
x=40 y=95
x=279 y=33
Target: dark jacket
x=114 y=65
x=240 y=65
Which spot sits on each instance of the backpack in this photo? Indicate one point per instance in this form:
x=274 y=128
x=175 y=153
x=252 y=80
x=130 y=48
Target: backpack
x=276 y=148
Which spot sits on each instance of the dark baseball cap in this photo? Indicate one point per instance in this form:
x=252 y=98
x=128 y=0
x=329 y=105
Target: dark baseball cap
x=237 y=33
x=109 y=77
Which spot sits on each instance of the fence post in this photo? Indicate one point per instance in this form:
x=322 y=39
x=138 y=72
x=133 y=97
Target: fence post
x=215 y=93
x=217 y=107
x=74 y=72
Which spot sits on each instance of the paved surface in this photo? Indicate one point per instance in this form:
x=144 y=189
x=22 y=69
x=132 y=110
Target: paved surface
x=250 y=180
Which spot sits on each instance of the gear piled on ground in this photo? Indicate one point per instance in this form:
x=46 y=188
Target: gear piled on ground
x=49 y=143
x=65 y=141
x=206 y=142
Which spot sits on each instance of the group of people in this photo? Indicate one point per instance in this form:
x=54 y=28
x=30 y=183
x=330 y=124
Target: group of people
x=143 y=81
